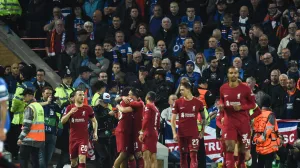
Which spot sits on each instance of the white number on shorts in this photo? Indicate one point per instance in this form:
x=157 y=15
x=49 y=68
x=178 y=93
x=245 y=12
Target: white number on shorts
x=83 y=148
x=195 y=141
x=136 y=145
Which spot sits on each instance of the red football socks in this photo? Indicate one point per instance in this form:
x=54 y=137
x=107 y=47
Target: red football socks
x=194 y=161
x=183 y=160
x=131 y=164
x=81 y=165
x=241 y=161
x=229 y=160
x=140 y=163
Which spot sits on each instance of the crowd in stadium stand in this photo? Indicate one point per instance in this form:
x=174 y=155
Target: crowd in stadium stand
x=154 y=45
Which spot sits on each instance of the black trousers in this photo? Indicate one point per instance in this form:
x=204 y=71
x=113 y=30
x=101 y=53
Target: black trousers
x=105 y=149
x=25 y=153
x=201 y=156
x=254 y=156
x=265 y=161
x=63 y=159
x=12 y=138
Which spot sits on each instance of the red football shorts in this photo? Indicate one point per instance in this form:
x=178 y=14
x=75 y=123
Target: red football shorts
x=190 y=143
x=241 y=133
x=124 y=142
x=78 y=147
x=150 y=142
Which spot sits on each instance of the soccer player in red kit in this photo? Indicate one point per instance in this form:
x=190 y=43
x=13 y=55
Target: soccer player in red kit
x=187 y=107
x=149 y=132
x=236 y=99
x=136 y=105
x=124 y=134
x=78 y=116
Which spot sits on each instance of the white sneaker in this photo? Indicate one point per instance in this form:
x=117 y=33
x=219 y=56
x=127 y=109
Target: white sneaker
x=249 y=162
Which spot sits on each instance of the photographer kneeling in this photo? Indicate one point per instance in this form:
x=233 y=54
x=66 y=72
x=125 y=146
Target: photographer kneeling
x=106 y=145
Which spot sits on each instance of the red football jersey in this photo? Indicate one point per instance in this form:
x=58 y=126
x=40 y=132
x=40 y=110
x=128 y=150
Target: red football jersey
x=138 y=107
x=240 y=95
x=151 y=118
x=125 y=120
x=188 y=111
x=79 y=121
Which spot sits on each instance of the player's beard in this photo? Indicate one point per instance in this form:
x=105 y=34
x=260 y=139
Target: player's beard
x=79 y=101
x=233 y=79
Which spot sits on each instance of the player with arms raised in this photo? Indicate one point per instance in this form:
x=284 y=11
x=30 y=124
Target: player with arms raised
x=236 y=99
x=149 y=132
x=79 y=115
x=187 y=107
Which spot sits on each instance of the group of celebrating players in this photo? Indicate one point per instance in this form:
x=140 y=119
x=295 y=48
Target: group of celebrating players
x=137 y=130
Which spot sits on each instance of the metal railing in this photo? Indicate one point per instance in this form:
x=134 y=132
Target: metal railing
x=35 y=49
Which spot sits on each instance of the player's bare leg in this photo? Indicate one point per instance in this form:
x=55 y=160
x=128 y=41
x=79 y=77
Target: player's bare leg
x=139 y=159
x=230 y=145
x=124 y=164
x=242 y=151
x=194 y=159
x=82 y=161
x=121 y=158
x=147 y=159
x=131 y=162
x=236 y=153
x=153 y=160
x=74 y=162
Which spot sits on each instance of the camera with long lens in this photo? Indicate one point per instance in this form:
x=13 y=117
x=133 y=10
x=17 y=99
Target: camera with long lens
x=106 y=122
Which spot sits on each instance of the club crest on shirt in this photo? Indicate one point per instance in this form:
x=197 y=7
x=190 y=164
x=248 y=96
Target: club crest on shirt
x=83 y=113
x=194 y=108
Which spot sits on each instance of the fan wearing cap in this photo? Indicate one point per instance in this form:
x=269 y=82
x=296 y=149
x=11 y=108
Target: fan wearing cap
x=18 y=105
x=160 y=86
x=212 y=77
x=32 y=137
x=217 y=16
x=82 y=82
x=99 y=87
x=293 y=71
x=156 y=63
x=194 y=77
x=63 y=91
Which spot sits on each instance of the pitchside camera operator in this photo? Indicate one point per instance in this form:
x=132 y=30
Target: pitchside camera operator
x=105 y=148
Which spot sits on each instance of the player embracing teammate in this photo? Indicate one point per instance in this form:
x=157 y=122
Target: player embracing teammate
x=236 y=99
x=142 y=125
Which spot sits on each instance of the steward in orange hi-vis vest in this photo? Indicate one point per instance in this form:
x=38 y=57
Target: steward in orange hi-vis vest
x=266 y=134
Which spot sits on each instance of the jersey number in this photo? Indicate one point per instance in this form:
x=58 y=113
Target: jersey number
x=83 y=148
x=195 y=141
x=155 y=123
